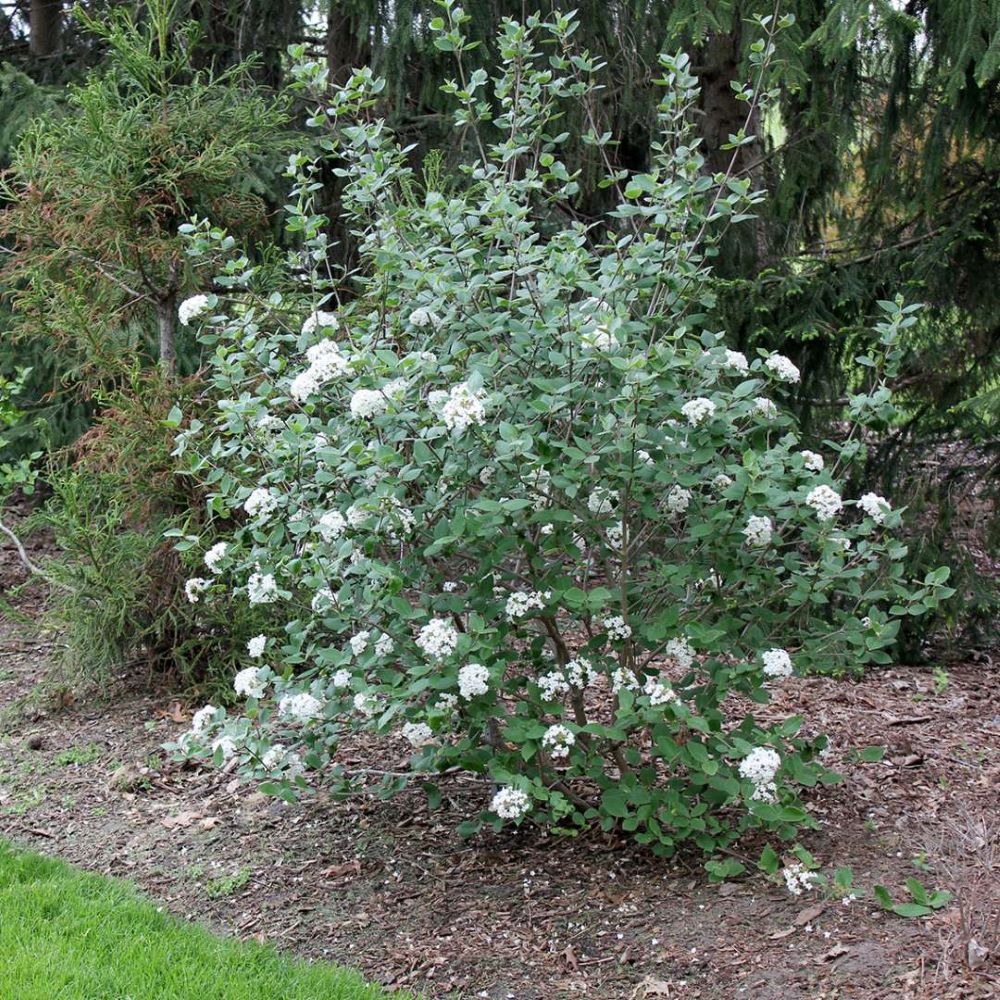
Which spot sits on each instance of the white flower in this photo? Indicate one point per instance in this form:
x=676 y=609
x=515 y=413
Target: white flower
x=599 y=339
x=698 y=410
x=601 y=501
x=678 y=499
x=760 y=765
x=438 y=638
x=721 y=482
x=841 y=542
x=359 y=642
x=214 y=557
x=798 y=878
x=277 y=757
x=781 y=368
x=368 y=403
x=659 y=692
x=301 y=707
x=342 y=679
x=510 y=803
x=304 y=385
x=194 y=587
x=417 y=734
x=552 y=685
x=262 y=588
x=319 y=320
x=580 y=672
x=617 y=628
x=447 y=702
x=331 y=525
x=875 y=507
x=463 y=409
x=736 y=362
x=255 y=647
x=324 y=599
x=384 y=645
x=192 y=308
x=644 y=457
x=680 y=651
x=758 y=531
x=473 y=680
x=557 y=740
x=225 y=743
x=422 y=317
x=765 y=407
x=812 y=461
x=521 y=602
x=366 y=703
x=449 y=586
x=614 y=534
x=261 y=503
x=777 y=663
x=623 y=680
x=202 y=719
x=250 y=683
x=825 y=501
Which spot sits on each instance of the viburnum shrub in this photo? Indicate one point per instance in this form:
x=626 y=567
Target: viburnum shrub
x=511 y=498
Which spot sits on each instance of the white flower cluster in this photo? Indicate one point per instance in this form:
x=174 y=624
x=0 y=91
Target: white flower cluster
x=765 y=407
x=250 y=683
x=341 y=679
x=473 y=680
x=759 y=767
x=463 y=408
x=678 y=499
x=255 y=646
x=214 y=557
x=195 y=587
x=262 y=588
x=758 y=531
x=191 y=308
x=825 y=501
x=777 y=663
x=601 y=501
x=659 y=692
x=417 y=734
x=735 y=361
x=366 y=703
x=384 y=645
x=617 y=628
x=875 y=507
x=201 y=719
x=300 y=707
x=698 y=410
x=523 y=601
x=812 y=461
x=798 y=878
x=680 y=651
x=331 y=525
x=368 y=403
x=278 y=758
x=721 y=482
x=320 y=320
x=558 y=740
x=326 y=362
x=261 y=503
x=781 y=368
x=422 y=317
x=438 y=639
x=510 y=803
x=623 y=680
x=359 y=642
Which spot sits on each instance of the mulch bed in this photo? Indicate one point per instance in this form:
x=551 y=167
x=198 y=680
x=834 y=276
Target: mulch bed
x=389 y=887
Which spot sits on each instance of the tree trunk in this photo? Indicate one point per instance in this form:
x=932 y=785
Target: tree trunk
x=45 y=26
x=347 y=43
x=166 y=318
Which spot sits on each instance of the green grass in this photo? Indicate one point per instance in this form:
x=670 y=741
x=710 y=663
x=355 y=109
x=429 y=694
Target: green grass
x=68 y=935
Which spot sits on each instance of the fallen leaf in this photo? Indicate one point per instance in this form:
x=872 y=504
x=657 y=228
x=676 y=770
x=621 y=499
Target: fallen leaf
x=569 y=957
x=345 y=869
x=836 y=951
x=209 y=822
x=977 y=955
x=778 y=935
x=808 y=915
x=651 y=987
x=185 y=818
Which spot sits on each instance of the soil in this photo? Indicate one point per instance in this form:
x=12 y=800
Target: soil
x=390 y=888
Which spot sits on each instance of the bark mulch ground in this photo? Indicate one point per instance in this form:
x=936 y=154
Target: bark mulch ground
x=389 y=887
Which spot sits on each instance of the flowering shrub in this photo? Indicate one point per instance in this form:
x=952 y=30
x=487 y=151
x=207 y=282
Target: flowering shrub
x=513 y=499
